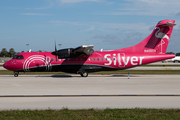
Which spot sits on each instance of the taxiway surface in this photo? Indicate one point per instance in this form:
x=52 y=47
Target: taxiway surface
x=92 y=85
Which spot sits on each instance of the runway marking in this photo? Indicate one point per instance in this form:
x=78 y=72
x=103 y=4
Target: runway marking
x=120 y=95
x=166 y=68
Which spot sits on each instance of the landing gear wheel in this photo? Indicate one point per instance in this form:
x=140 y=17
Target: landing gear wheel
x=16 y=74
x=84 y=74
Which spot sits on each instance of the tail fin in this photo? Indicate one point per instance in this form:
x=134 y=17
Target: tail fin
x=157 y=41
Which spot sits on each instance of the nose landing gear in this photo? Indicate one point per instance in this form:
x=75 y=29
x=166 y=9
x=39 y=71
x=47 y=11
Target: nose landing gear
x=16 y=74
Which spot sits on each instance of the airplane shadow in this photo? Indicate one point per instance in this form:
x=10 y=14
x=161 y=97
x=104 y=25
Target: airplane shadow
x=56 y=76
x=62 y=76
x=91 y=76
x=124 y=76
x=72 y=76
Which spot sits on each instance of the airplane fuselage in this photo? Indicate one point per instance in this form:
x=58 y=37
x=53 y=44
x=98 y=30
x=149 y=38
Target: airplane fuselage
x=98 y=61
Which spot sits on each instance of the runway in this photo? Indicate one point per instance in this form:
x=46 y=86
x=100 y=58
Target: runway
x=95 y=91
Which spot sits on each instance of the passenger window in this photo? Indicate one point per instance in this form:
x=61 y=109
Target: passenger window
x=101 y=59
x=97 y=59
x=93 y=59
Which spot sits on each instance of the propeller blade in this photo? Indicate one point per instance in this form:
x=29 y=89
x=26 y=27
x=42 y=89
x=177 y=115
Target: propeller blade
x=55 y=47
x=55 y=52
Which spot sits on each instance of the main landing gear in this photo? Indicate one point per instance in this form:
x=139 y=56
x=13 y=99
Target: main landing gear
x=84 y=74
x=16 y=74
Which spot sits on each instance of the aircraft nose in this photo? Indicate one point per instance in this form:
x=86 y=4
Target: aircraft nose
x=5 y=65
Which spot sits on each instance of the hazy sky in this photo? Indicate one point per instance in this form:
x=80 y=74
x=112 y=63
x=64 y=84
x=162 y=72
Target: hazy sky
x=107 y=24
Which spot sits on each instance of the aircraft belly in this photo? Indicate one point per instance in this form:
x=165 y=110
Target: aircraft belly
x=71 y=68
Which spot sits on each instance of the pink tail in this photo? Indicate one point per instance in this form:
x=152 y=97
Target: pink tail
x=157 y=41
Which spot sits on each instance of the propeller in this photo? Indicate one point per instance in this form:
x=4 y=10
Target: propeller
x=55 y=52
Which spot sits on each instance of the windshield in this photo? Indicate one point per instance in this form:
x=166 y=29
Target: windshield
x=18 y=57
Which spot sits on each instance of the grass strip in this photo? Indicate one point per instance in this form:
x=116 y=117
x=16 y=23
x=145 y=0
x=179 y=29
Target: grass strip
x=7 y=72
x=92 y=114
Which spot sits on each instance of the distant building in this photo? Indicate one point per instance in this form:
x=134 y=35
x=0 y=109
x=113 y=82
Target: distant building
x=1 y=60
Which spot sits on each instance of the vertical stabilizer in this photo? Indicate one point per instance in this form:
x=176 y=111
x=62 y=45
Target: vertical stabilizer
x=160 y=37
x=157 y=41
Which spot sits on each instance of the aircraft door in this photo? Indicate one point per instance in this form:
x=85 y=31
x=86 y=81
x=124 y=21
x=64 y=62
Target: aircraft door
x=48 y=63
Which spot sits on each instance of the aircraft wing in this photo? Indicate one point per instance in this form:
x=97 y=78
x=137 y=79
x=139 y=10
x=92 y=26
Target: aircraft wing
x=74 y=52
x=88 y=50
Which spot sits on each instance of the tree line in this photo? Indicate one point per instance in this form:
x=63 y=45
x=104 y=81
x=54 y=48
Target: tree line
x=5 y=53
x=177 y=54
x=11 y=52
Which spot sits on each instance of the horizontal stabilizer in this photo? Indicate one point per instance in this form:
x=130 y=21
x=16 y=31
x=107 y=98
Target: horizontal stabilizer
x=168 y=24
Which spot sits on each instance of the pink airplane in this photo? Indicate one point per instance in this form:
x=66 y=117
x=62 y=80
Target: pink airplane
x=84 y=59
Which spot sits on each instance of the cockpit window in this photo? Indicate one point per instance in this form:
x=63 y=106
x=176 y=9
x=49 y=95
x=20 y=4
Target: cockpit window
x=18 y=57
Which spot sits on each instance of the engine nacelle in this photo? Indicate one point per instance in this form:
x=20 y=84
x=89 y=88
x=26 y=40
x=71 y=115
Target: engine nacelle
x=73 y=52
x=64 y=53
